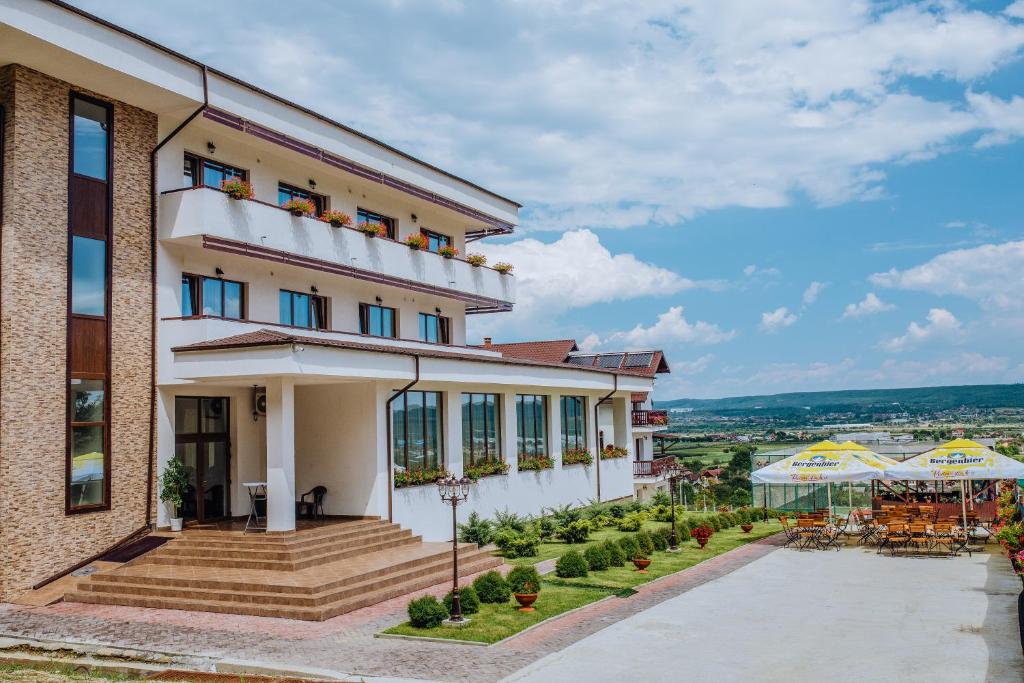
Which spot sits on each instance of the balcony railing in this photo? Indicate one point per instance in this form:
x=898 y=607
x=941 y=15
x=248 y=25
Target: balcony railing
x=650 y=418
x=651 y=468
x=207 y=218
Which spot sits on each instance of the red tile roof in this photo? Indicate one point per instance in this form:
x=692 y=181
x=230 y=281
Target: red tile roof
x=645 y=363
x=638 y=396
x=552 y=351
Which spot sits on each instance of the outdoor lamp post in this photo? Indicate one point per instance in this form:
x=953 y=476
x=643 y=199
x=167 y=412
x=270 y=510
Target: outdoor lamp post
x=675 y=473
x=454 y=491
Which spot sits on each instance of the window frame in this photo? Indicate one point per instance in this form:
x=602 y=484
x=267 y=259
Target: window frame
x=469 y=455
x=364 y=320
x=367 y=216
x=432 y=236
x=314 y=300
x=403 y=399
x=196 y=300
x=444 y=328
x=319 y=200
x=580 y=419
x=521 y=450
x=198 y=161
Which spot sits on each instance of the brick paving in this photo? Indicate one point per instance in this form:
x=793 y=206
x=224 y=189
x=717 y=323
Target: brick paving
x=346 y=643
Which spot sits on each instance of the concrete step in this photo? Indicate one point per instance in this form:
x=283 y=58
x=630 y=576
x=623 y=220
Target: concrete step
x=260 y=552
x=299 y=539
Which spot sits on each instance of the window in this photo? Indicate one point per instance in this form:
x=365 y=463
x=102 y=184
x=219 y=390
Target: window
x=288 y=192
x=90 y=153
x=377 y=320
x=390 y=224
x=416 y=430
x=435 y=328
x=435 y=240
x=303 y=310
x=88 y=276
x=574 y=433
x=199 y=171
x=88 y=435
x=531 y=419
x=480 y=433
x=212 y=296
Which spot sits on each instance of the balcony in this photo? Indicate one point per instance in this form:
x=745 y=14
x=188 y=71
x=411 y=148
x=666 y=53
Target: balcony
x=651 y=468
x=207 y=218
x=650 y=418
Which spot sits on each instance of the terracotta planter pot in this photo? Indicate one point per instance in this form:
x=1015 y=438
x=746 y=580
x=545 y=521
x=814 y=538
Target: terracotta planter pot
x=641 y=565
x=525 y=601
x=747 y=528
x=336 y=224
x=297 y=213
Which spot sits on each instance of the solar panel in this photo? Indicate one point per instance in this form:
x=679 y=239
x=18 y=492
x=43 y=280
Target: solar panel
x=580 y=360
x=610 y=361
x=639 y=360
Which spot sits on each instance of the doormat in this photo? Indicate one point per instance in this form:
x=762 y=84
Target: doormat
x=133 y=550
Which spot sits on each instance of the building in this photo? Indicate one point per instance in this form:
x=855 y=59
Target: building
x=148 y=315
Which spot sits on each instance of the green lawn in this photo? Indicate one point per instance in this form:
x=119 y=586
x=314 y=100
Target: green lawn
x=495 y=622
x=713 y=454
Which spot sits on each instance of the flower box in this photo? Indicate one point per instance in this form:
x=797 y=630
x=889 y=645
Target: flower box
x=337 y=219
x=613 y=452
x=372 y=229
x=299 y=207
x=406 y=478
x=487 y=469
x=416 y=242
x=503 y=268
x=536 y=464
x=476 y=260
x=236 y=188
x=577 y=456
x=448 y=251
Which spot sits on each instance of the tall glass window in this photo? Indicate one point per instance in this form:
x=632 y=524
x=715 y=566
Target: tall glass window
x=211 y=296
x=480 y=428
x=90 y=143
x=88 y=276
x=416 y=430
x=435 y=240
x=373 y=218
x=574 y=433
x=377 y=320
x=531 y=419
x=88 y=431
x=286 y=193
x=303 y=310
x=435 y=328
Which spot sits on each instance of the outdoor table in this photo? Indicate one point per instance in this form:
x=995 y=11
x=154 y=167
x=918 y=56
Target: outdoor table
x=257 y=492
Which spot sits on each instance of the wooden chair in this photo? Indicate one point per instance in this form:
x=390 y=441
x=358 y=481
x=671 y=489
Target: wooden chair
x=917 y=536
x=893 y=535
x=313 y=508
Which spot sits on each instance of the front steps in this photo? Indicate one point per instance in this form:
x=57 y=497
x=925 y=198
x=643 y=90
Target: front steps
x=312 y=574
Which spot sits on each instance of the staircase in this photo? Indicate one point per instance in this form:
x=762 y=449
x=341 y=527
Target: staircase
x=310 y=574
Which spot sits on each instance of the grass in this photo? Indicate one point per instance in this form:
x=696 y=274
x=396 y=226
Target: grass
x=713 y=454
x=16 y=673
x=496 y=622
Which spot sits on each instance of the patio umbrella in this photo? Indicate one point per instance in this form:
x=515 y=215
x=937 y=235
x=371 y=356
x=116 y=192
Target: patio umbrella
x=876 y=460
x=822 y=463
x=958 y=460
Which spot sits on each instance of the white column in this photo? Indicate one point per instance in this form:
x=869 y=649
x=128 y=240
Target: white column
x=453 y=433
x=555 y=429
x=509 y=431
x=281 y=454
x=622 y=418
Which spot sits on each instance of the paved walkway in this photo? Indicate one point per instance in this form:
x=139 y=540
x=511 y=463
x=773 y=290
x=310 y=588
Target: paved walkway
x=815 y=616
x=345 y=644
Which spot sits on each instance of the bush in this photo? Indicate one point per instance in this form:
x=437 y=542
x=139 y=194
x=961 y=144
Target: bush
x=476 y=530
x=661 y=538
x=504 y=519
x=616 y=511
x=523 y=579
x=661 y=498
x=515 y=544
x=545 y=527
x=714 y=523
x=630 y=548
x=492 y=588
x=683 y=529
x=468 y=600
x=426 y=612
x=646 y=543
x=661 y=513
x=632 y=522
x=596 y=557
x=636 y=506
x=603 y=521
x=616 y=557
x=571 y=565
x=574 y=532
x=565 y=515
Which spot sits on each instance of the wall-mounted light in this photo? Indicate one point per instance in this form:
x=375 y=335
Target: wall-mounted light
x=312 y=184
x=413 y=216
x=211 y=148
x=379 y=300
x=437 y=310
x=313 y=289
x=218 y=271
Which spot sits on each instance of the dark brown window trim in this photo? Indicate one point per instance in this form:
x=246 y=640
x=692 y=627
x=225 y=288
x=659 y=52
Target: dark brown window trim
x=581 y=437
x=486 y=456
x=364 y=321
x=442 y=458
x=439 y=236
x=521 y=424
x=197 y=179
x=198 y=297
x=444 y=328
x=69 y=509
x=314 y=299
x=200 y=437
x=320 y=201
x=392 y=228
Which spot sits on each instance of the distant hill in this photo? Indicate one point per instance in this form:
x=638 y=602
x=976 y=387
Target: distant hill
x=912 y=400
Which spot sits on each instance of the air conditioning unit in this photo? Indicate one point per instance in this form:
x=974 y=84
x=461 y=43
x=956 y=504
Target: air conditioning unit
x=259 y=402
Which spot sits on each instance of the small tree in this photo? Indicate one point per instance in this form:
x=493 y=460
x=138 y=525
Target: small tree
x=173 y=484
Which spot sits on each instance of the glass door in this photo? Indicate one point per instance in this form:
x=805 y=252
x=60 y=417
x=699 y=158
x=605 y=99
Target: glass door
x=203 y=444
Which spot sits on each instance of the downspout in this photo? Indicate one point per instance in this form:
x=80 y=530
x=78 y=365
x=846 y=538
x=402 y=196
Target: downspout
x=152 y=292
x=597 y=429
x=391 y=448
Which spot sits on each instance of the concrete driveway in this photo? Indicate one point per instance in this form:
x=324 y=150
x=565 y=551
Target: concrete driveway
x=816 y=616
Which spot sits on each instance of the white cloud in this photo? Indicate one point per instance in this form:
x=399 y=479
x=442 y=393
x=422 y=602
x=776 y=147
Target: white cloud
x=956 y=224
x=773 y=321
x=589 y=343
x=992 y=275
x=869 y=306
x=1015 y=9
x=813 y=291
x=755 y=271
x=670 y=329
x=941 y=325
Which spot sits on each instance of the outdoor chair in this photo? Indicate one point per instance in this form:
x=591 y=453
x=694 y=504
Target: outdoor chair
x=791 y=531
x=917 y=536
x=894 y=536
x=314 y=507
x=807 y=532
x=943 y=535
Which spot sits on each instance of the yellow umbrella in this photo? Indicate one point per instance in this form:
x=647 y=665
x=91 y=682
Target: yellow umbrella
x=868 y=456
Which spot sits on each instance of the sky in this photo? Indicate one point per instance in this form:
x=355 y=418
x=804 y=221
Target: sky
x=792 y=195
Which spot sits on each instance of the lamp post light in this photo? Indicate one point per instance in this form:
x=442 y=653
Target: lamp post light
x=454 y=491
x=675 y=473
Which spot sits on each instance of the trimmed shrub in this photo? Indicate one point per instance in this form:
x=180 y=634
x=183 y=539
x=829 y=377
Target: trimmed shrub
x=661 y=538
x=476 y=530
x=505 y=519
x=646 y=543
x=574 y=532
x=630 y=548
x=714 y=522
x=492 y=588
x=571 y=565
x=616 y=557
x=596 y=557
x=426 y=612
x=661 y=499
x=683 y=529
x=468 y=600
x=524 y=579
x=546 y=527
x=616 y=510
x=603 y=521
x=632 y=522
x=515 y=544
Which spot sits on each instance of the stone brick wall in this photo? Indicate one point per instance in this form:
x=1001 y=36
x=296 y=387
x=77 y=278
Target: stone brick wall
x=37 y=537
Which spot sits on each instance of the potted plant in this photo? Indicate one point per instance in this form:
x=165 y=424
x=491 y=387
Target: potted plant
x=299 y=206
x=337 y=219
x=372 y=229
x=525 y=584
x=173 y=484
x=701 y=534
x=416 y=241
x=448 y=251
x=503 y=268
x=577 y=456
x=476 y=260
x=747 y=528
x=236 y=188
x=641 y=561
